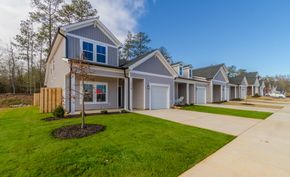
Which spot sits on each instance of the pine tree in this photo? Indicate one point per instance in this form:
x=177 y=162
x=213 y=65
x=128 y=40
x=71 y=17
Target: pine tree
x=78 y=10
x=140 y=44
x=127 y=50
x=46 y=13
x=166 y=54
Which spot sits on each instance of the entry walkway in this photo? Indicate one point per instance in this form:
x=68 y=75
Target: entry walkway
x=227 y=124
x=261 y=151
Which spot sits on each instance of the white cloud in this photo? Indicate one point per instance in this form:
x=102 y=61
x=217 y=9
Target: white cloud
x=120 y=16
x=11 y=12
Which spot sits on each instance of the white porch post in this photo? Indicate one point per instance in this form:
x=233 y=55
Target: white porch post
x=235 y=91
x=187 y=93
x=194 y=94
x=221 y=99
x=130 y=92
x=73 y=93
x=252 y=90
x=125 y=93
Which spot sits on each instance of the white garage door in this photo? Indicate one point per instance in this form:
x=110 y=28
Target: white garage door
x=159 y=97
x=200 y=95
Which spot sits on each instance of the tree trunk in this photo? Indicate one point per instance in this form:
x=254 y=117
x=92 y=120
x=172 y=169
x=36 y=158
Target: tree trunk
x=83 y=106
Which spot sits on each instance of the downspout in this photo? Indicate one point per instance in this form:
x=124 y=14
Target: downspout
x=70 y=72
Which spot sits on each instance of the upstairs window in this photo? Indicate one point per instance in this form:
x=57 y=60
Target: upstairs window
x=180 y=71
x=101 y=54
x=88 y=52
x=190 y=73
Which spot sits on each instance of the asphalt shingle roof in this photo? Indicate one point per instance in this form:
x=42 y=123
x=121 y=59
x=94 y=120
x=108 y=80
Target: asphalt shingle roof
x=236 y=80
x=127 y=63
x=207 y=72
x=251 y=77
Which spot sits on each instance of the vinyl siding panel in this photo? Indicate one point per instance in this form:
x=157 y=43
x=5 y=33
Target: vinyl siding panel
x=153 y=65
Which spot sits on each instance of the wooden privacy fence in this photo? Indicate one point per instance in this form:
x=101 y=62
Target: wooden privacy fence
x=48 y=99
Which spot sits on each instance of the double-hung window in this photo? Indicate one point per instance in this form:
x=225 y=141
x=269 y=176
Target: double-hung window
x=88 y=51
x=94 y=52
x=88 y=93
x=101 y=93
x=190 y=73
x=101 y=54
x=180 y=71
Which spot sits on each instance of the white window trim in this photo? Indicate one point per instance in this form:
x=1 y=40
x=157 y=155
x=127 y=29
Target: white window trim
x=94 y=92
x=95 y=43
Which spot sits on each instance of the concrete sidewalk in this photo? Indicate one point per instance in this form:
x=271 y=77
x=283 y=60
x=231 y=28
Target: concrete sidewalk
x=261 y=151
x=227 y=124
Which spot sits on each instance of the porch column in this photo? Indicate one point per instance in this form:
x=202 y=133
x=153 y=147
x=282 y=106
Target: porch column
x=221 y=99
x=252 y=90
x=130 y=93
x=73 y=93
x=125 y=93
x=187 y=93
x=235 y=91
x=194 y=94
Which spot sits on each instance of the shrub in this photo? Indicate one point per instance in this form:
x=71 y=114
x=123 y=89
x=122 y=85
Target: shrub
x=58 y=112
x=256 y=95
x=124 y=111
x=104 y=111
x=237 y=99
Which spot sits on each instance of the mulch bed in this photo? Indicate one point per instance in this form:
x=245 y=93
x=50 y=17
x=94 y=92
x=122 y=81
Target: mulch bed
x=78 y=116
x=75 y=131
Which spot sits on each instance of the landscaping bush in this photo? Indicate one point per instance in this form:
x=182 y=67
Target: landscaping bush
x=237 y=99
x=124 y=111
x=58 y=112
x=256 y=95
x=104 y=111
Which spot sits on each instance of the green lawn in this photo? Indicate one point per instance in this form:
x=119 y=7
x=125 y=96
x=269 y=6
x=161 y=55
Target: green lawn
x=131 y=145
x=228 y=111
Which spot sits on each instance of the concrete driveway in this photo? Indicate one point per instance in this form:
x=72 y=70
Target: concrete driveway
x=227 y=124
x=261 y=151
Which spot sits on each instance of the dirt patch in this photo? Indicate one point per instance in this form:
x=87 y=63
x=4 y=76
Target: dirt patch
x=17 y=100
x=75 y=131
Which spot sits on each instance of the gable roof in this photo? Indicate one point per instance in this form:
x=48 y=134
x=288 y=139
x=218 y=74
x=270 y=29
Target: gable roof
x=128 y=63
x=251 y=77
x=208 y=72
x=92 y=21
x=139 y=60
x=236 y=80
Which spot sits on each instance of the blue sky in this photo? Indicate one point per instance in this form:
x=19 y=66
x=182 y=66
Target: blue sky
x=250 y=34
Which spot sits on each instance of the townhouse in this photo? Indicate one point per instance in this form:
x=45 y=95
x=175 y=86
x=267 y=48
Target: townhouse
x=146 y=82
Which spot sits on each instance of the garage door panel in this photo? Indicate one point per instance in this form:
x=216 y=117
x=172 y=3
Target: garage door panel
x=200 y=95
x=159 y=97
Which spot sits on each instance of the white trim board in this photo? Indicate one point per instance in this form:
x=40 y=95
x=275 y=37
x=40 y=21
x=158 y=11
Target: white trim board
x=151 y=74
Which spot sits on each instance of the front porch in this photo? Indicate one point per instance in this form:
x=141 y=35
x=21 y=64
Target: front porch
x=219 y=92
x=99 y=93
x=184 y=93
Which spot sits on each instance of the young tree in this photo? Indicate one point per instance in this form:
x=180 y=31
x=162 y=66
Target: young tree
x=78 y=10
x=81 y=69
x=46 y=13
x=140 y=44
x=127 y=50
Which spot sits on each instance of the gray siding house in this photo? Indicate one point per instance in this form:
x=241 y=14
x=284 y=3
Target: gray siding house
x=146 y=82
x=218 y=82
x=238 y=87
